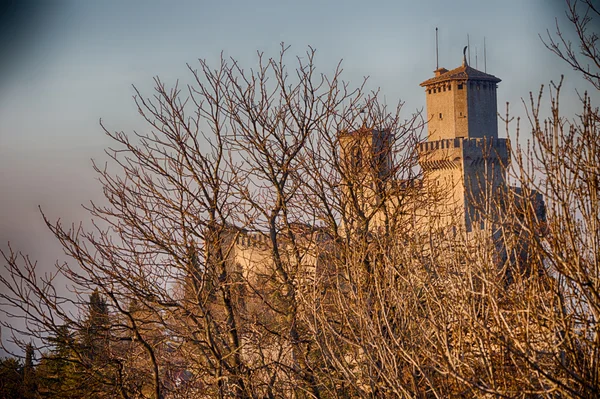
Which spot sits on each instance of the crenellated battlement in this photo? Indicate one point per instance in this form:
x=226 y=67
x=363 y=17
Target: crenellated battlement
x=253 y=240
x=461 y=142
x=454 y=153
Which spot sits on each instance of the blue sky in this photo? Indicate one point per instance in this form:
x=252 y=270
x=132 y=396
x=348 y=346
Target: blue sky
x=73 y=62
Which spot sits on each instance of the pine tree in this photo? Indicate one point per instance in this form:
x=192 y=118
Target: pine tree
x=58 y=373
x=94 y=336
x=11 y=378
x=94 y=350
x=30 y=384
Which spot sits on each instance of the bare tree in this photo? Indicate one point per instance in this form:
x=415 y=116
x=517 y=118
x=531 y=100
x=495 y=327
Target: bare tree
x=239 y=164
x=267 y=236
x=528 y=317
x=582 y=56
x=511 y=312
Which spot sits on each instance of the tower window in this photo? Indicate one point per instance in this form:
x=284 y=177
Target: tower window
x=356 y=156
x=440 y=115
x=429 y=91
x=450 y=87
x=460 y=86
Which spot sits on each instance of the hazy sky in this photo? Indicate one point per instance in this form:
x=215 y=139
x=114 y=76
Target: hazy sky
x=66 y=64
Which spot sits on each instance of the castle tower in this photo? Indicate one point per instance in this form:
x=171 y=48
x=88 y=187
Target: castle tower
x=367 y=151
x=367 y=165
x=463 y=156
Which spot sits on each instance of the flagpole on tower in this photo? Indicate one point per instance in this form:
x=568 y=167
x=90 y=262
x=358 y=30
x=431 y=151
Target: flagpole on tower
x=468 y=49
x=437 y=56
x=484 y=57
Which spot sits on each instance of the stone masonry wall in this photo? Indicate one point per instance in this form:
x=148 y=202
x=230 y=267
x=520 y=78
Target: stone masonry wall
x=483 y=119
x=441 y=111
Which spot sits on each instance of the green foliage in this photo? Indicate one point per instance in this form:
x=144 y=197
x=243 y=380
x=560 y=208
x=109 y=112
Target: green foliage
x=29 y=374
x=77 y=365
x=11 y=378
x=19 y=380
x=94 y=335
x=58 y=372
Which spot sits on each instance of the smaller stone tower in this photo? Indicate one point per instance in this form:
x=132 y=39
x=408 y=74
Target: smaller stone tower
x=367 y=151
x=366 y=158
x=463 y=157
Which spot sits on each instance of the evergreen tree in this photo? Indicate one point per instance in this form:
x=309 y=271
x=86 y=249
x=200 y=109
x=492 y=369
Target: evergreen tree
x=94 y=335
x=58 y=373
x=11 y=378
x=95 y=369
x=30 y=385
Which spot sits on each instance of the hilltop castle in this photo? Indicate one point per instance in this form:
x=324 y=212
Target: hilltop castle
x=463 y=164
x=460 y=195
x=463 y=161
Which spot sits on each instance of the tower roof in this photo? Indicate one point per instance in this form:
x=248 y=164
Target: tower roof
x=463 y=72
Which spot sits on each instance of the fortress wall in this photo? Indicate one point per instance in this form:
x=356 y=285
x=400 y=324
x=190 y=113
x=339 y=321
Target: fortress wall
x=461 y=112
x=482 y=103
x=467 y=170
x=485 y=163
x=253 y=256
x=441 y=111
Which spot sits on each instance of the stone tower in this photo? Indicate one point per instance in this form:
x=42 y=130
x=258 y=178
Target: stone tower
x=367 y=164
x=463 y=159
x=367 y=151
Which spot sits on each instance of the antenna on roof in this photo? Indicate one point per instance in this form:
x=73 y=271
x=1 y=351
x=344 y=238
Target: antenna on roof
x=437 y=57
x=469 y=49
x=475 y=57
x=484 y=57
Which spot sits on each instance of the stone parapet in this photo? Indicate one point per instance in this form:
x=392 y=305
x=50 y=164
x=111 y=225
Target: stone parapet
x=451 y=153
x=254 y=240
x=461 y=142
